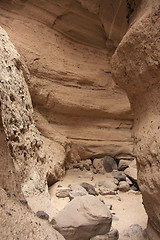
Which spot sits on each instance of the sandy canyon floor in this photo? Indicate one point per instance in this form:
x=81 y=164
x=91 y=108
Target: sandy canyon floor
x=127 y=207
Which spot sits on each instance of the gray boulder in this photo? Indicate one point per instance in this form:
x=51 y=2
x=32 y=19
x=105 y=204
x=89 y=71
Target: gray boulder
x=134 y=232
x=89 y=188
x=83 y=218
x=119 y=176
x=109 y=164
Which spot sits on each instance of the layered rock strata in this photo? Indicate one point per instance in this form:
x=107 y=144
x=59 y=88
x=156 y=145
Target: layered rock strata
x=136 y=67
x=75 y=99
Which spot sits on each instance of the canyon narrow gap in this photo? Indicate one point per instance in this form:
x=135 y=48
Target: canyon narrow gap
x=79 y=126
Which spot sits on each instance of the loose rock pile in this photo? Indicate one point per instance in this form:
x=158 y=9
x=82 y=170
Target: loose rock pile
x=86 y=217
x=123 y=169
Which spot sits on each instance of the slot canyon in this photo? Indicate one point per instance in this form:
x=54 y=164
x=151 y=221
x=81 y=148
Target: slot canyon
x=79 y=119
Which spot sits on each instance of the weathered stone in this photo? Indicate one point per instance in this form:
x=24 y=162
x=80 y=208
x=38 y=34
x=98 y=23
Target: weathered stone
x=119 y=176
x=123 y=164
x=87 y=175
x=83 y=218
x=106 y=191
x=76 y=187
x=131 y=171
x=129 y=181
x=112 y=235
x=76 y=191
x=89 y=188
x=74 y=194
x=105 y=188
x=124 y=186
x=98 y=165
x=109 y=164
x=116 y=181
x=62 y=192
x=87 y=167
x=134 y=187
x=23 y=202
x=42 y=215
x=87 y=162
x=134 y=232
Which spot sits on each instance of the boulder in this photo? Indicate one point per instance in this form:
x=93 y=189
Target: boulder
x=105 y=188
x=62 y=192
x=42 y=215
x=109 y=164
x=134 y=232
x=98 y=165
x=89 y=188
x=106 y=191
x=87 y=164
x=83 y=218
x=119 y=176
x=131 y=171
x=123 y=164
x=124 y=186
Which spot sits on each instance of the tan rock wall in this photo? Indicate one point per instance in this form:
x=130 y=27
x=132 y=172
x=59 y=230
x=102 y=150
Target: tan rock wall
x=7 y=170
x=136 y=68
x=33 y=158
x=71 y=84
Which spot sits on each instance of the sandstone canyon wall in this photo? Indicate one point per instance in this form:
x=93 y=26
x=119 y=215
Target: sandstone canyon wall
x=24 y=160
x=75 y=100
x=78 y=111
x=32 y=157
x=136 y=67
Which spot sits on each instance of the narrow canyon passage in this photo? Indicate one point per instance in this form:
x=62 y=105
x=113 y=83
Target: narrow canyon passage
x=65 y=109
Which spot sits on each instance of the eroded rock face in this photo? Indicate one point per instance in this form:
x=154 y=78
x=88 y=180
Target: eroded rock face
x=136 y=67
x=75 y=99
x=32 y=157
x=18 y=222
x=7 y=169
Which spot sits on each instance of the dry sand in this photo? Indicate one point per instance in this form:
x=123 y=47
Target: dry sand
x=127 y=208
